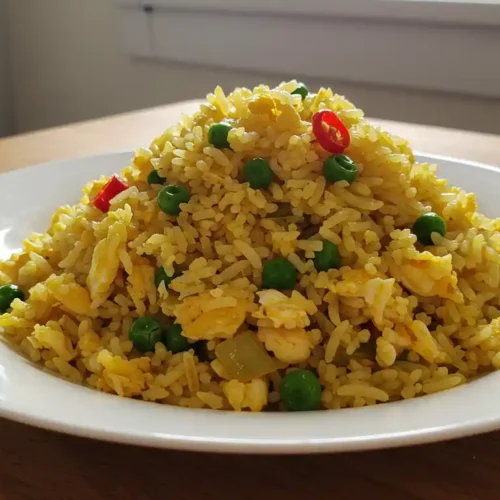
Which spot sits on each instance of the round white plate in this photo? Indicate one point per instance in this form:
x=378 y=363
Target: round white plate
x=27 y=199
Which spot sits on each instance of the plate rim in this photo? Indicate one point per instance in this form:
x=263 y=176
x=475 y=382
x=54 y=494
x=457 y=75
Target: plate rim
x=250 y=445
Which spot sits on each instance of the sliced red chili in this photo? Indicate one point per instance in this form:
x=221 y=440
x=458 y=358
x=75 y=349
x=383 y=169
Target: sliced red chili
x=112 y=188
x=330 y=132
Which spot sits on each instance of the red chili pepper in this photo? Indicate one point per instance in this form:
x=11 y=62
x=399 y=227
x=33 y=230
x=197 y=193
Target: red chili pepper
x=112 y=188
x=330 y=132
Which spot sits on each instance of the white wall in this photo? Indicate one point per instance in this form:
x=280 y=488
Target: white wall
x=68 y=64
x=6 y=124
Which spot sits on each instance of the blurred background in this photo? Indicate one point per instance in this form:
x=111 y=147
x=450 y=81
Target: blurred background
x=434 y=62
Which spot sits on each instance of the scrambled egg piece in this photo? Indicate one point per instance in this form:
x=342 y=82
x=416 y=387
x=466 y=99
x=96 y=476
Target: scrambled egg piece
x=488 y=336
x=51 y=336
x=353 y=283
x=252 y=395
x=285 y=114
x=89 y=342
x=416 y=336
x=261 y=105
x=70 y=294
x=428 y=275
x=376 y=291
x=36 y=269
x=282 y=321
x=283 y=311
x=377 y=294
x=290 y=346
x=124 y=377
x=211 y=315
x=105 y=262
x=288 y=117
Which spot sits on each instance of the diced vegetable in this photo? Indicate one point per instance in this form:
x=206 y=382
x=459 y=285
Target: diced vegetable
x=171 y=197
x=155 y=178
x=258 y=173
x=244 y=358
x=175 y=341
x=145 y=332
x=111 y=189
x=217 y=135
x=328 y=257
x=330 y=132
x=7 y=295
x=301 y=90
x=279 y=274
x=300 y=390
x=340 y=168
x=427 y=224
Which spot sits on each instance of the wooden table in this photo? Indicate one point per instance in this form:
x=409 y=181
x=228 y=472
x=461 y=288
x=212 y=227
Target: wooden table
x=36 y=464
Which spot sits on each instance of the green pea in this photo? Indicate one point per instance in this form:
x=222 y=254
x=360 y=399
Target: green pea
x=145 y=333
x=279 y=274
x=300 y=390
x=258 y=173
x=7 y=295
x=340 y=168
x=175 y=341
x=301 y=90
x=170 y=198
x=155 y=178
x=217 y=135
x=162 y=276
x=427 y=224
x=327 y=258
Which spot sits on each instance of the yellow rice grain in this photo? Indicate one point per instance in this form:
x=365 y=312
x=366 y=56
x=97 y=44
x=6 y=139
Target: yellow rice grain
x=359 y=390
x=211 y=400
x=249 y=253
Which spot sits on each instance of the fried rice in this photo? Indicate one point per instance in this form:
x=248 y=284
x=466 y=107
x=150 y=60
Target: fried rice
x=395 y=320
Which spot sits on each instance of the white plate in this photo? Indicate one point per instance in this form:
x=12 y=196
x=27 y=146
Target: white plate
x=27 y=199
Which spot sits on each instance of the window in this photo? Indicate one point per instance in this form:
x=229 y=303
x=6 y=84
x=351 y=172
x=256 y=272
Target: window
x=419 y=44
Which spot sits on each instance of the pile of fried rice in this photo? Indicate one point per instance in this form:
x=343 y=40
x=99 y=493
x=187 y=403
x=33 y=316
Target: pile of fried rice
x=395 y=321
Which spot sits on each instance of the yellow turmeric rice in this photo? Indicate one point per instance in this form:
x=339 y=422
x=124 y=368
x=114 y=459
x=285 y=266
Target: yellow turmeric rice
x=245 y=265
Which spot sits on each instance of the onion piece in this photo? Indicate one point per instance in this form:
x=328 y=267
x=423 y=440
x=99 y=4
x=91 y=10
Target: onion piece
x=244 y=358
